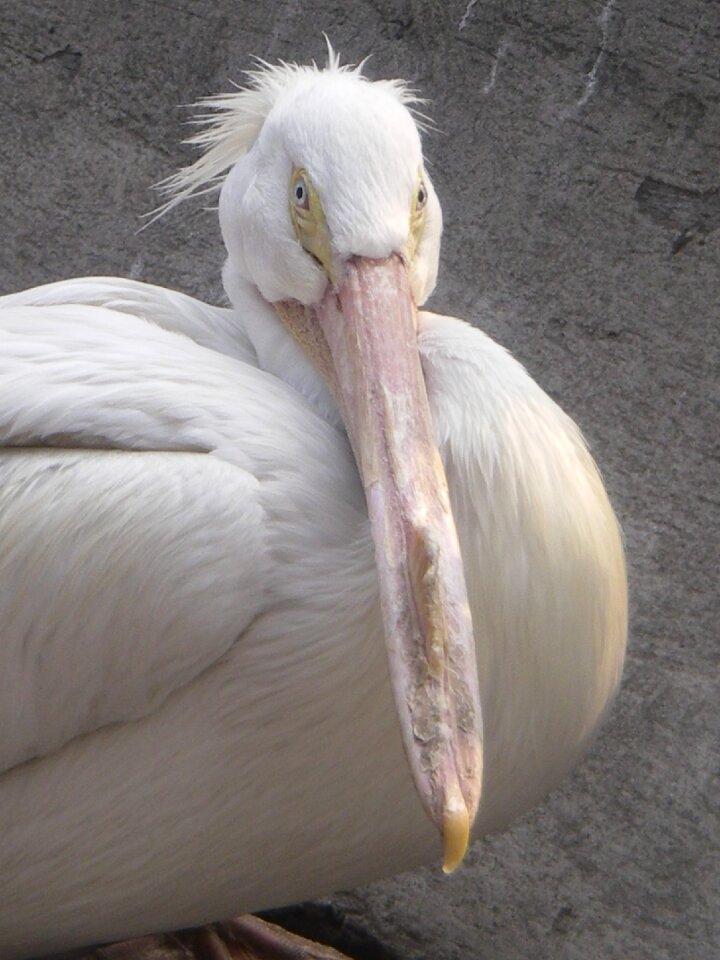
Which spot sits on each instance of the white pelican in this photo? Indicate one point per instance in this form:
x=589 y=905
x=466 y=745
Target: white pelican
x=197 y=713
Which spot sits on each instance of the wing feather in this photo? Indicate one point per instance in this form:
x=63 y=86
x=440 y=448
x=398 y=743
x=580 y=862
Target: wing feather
x=79 y=375
x=122 y=577
x=214 y=327
x=156 y=496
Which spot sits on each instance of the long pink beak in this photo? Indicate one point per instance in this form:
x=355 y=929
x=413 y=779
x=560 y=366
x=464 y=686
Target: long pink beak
x=370 y=330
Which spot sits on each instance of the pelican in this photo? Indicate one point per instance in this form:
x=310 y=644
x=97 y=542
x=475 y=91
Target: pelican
x=286 y=587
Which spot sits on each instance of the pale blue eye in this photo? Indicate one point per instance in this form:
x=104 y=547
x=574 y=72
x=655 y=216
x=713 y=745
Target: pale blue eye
x=300 y=193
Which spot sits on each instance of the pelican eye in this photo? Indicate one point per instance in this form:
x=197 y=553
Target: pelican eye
x=417 y=215
x=301 y=195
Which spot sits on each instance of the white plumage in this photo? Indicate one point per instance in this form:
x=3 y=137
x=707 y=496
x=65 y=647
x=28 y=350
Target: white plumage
x=196 y=710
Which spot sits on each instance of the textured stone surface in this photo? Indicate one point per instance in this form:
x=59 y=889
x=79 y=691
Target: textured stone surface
x=578 y=160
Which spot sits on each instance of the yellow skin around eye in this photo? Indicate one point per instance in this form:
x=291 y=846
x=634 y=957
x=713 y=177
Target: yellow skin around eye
x=417 y=218
x=311 y=227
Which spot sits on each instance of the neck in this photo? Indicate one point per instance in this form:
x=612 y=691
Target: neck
x=278 y=348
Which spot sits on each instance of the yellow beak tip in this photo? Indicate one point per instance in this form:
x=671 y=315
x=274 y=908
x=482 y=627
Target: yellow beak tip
x=456 y=836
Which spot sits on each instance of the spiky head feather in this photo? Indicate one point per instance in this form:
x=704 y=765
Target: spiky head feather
x=231 y=122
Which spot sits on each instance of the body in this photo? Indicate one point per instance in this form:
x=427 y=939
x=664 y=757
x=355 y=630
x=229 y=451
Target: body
x=202 y=807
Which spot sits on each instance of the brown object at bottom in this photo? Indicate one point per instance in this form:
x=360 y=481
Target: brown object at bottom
x=245 y=938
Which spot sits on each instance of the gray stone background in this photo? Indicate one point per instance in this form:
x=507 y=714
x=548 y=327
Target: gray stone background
x=577 y=161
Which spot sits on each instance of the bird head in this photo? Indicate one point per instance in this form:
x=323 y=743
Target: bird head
x=328 y=210
x=336 y=171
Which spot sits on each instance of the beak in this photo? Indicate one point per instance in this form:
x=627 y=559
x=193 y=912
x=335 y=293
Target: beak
x=371 y=360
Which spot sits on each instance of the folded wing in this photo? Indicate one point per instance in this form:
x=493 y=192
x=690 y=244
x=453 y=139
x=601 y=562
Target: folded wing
x=133 y=539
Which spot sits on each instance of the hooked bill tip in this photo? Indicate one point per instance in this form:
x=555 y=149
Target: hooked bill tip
x=456 y=834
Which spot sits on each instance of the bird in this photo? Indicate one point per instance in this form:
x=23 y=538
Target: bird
x=287 y=586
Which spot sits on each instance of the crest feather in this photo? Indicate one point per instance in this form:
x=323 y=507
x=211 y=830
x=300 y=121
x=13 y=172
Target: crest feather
x=231 y=122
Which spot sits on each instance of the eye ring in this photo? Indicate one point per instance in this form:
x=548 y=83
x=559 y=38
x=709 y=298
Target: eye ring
x=300 y=193
x=421 y=197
